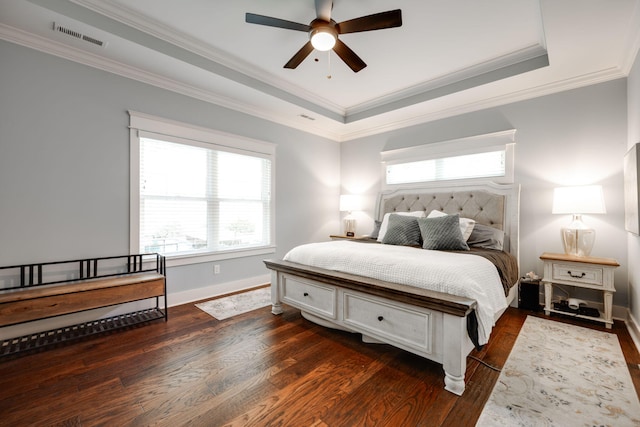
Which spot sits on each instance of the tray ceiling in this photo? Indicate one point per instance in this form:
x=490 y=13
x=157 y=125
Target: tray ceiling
x=448 y=57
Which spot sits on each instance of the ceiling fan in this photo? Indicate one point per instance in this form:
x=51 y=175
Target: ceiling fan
x=323 y=32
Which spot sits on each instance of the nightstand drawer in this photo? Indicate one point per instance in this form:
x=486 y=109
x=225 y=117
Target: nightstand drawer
x=577 y=273
x=310 y=297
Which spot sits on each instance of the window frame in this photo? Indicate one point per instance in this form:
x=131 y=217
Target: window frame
x=145 y=125
x=498 y=141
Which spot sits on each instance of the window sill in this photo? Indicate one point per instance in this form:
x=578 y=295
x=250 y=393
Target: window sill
x=178 y=260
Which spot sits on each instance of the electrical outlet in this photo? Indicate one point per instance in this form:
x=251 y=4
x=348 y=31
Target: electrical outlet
x=216 y=269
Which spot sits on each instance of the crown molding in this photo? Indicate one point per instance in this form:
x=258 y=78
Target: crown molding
x=497 y=101
x=131 y=34
x=71 y=53
x=134 y=19
x=45 y=45
x=632 y=46
x=437 y=84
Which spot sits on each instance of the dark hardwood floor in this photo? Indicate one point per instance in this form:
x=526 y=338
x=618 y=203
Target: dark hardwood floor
x=255 y=369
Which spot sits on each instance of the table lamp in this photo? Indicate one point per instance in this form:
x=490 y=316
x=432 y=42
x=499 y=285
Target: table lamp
x=577 y=237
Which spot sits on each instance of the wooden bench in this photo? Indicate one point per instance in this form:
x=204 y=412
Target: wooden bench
x=33 y=292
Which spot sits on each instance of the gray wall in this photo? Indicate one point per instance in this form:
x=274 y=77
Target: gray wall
x=64 y=166
x=570 y=138
x=633 y=241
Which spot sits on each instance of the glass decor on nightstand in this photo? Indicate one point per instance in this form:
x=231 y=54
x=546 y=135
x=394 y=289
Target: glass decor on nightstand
x=349 y=203
x=577 y=237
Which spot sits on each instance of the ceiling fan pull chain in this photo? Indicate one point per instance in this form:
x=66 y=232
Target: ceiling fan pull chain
x=329 y=64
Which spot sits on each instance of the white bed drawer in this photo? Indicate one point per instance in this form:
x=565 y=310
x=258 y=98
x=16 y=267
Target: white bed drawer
x=307 y=296
x=390 y=321
x=577 y=273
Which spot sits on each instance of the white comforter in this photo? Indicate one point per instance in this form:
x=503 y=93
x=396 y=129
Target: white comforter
x=464 y=275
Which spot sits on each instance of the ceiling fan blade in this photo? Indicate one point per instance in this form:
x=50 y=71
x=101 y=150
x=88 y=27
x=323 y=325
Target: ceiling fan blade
x=299 y=56
x=252 y=18
x=323 y=9
x=377 y=21
x=348 y=56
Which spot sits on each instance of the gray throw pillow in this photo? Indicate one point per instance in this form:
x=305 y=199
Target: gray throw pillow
x=442 y=233
x=403 y=230
x=486 y=237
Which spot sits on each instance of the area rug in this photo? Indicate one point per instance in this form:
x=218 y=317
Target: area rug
x=223 y=308
x=563 y=375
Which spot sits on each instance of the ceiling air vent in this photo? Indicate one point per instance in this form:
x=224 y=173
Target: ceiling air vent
x=78 y=35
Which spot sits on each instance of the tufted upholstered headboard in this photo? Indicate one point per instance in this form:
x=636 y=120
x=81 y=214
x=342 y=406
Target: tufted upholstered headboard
x=484 y=207
x=495 y=205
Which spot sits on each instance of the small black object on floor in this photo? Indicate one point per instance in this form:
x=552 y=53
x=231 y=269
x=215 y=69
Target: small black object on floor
x=529 y=294
x=583 y=311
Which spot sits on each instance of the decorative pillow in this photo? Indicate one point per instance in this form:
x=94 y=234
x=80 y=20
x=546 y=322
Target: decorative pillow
x=385 y=221
x=403 y=230
x=442 y=233
x=486 y=237
x=376 y=229
x=466 y=224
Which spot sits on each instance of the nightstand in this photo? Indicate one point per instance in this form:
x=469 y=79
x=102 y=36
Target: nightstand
x=582 y=272
x=358 y=238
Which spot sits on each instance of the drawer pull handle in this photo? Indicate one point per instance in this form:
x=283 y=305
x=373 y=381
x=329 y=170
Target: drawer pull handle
x=380 y=318
x=575 y=276
x=306 y=294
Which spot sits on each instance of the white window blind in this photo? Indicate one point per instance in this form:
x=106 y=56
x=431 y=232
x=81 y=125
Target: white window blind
x=481 y=157
x=197 y=198
x=470 y=166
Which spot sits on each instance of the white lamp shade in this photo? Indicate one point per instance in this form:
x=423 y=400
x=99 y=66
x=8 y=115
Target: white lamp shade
x=350 y=203
x=587 y=199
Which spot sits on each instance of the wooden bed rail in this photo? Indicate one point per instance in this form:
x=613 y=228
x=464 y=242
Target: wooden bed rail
x=39 y=291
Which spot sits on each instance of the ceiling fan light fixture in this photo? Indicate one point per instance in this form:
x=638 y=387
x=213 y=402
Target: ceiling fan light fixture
x=323 y=32
x=323 y=38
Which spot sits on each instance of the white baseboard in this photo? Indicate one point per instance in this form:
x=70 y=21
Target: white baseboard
x=619 y=312
x=623 y=314
x=634 y=329
x=211 y=291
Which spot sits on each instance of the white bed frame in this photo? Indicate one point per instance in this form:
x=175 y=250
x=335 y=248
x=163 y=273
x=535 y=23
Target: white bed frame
x=430 y=324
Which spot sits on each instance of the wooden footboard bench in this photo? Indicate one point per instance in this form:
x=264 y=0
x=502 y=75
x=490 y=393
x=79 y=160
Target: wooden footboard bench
x=34 y=292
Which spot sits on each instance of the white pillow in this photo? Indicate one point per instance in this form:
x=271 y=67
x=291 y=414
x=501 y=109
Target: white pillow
x=466 y=224
x=385 y=221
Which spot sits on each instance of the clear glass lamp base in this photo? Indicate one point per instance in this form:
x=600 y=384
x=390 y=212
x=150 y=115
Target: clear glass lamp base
x=349 y=227
x=577 y=238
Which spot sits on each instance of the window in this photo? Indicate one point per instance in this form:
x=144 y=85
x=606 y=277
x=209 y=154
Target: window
x=481 y=157
x=197 y=193
x=480 y=165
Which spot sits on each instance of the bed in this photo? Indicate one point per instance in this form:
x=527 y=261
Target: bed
x=439 y=304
